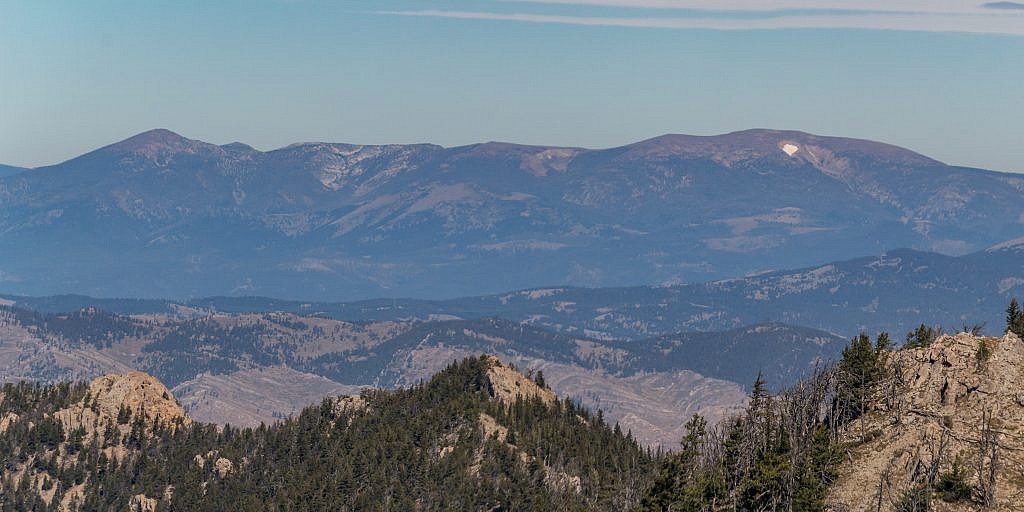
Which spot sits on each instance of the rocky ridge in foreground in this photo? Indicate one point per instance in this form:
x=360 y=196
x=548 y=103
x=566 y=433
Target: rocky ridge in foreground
x=479 y=435
x=947 y=430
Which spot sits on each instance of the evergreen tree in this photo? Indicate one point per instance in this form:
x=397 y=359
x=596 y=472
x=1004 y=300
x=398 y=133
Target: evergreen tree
x=922 y=336
x=859 y=370
x=883 y=343
x=1015 y=318
x=818 y=473
x=420 y=448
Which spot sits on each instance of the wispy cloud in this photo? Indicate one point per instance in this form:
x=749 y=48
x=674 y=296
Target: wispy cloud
x=915 y=6
x=974 y=22
x=1013 y=6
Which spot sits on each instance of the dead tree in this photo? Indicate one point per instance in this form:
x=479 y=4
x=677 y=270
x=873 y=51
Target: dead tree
x=988 y=460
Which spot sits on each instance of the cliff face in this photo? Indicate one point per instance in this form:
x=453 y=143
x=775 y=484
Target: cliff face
x=953 y=408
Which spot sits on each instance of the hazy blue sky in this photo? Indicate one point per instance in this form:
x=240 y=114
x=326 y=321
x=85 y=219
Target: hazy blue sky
x=77 y=75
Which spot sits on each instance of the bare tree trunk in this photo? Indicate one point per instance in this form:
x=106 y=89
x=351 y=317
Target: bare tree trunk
x=988 y=460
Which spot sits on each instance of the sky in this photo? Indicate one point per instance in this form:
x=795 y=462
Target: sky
x=942 y=77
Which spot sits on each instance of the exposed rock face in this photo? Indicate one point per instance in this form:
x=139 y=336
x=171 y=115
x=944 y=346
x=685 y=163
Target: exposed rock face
x=138 y=392
x=141 y=394
x=941 y=403
x=349 y=404
x=223 y=466
x=7 y=420
x=140 y=503
x=507 y=384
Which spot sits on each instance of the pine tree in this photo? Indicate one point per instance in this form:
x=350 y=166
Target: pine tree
x=679 y=485
x=859 y=370
x=883 y=343
x=922 y=336
x=818 y=473
x=1015 y=318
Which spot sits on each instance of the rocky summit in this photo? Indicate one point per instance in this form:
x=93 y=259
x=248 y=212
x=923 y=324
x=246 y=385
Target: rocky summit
x=946 y=429
x=479 y=435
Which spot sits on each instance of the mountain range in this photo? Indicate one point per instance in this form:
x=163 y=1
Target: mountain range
x=160 y=215
x=894 y=292
x=8 y=170
x=247 y=368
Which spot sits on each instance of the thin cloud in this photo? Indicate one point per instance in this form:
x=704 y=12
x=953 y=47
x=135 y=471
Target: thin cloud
x=915 y=6
x=1004 y=5
x=923 y=22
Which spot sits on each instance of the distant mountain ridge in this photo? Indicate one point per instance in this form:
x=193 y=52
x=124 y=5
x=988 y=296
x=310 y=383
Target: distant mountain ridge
x=894 y=291
x=250 y=367
x=160 y=215
x=10 y=170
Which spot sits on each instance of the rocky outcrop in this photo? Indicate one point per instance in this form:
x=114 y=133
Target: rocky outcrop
x=137 y=393
x=958 y=402
x=7 y=420
x=507 y=384
x=223 y=466
x=140 y=503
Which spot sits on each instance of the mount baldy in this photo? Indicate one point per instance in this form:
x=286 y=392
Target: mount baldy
x=162 y=215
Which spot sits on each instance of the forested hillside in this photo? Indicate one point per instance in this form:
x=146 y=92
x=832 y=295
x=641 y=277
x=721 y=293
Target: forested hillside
x=251 y=367
x=888 y=291
x=926 y=426
x=931 y=426
x=477 y=436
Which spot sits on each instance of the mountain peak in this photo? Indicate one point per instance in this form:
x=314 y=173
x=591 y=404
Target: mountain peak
x=110 y=396
x=760 y=143
x=152 y=143
x=238 y=146
x=154 y=136
x=137 y=391
x=507 y=383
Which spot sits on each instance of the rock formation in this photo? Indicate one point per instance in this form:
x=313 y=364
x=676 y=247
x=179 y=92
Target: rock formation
x=947 y=427
x=110 y=396
x=507 y=383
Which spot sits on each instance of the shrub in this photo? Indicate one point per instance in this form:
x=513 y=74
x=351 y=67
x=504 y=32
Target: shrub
x=983 y=352
x=952 y=485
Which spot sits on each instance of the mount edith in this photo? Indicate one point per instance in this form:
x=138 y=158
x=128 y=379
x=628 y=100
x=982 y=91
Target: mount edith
x=160 y=215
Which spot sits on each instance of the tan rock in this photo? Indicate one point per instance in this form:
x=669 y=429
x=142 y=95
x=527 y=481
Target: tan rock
x=507 y=384
x=933 y=407
x=223 y=466
x=139 y=392
x=7 y=420
x=140 y=503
